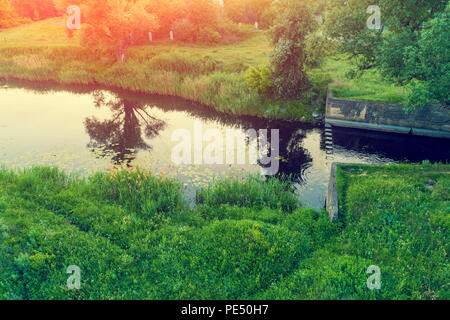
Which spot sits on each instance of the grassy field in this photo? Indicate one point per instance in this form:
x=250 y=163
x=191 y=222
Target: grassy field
x=369 y=86
x=398 y=217
x=211 y=75
x=134 y=237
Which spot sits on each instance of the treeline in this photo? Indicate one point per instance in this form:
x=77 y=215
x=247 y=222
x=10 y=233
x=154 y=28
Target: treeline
x=205 y=21
x=190 y=16
x=34 y=9
x=171 y=13
x=406 y=41
x=8 y=16
x=17 y=12
x=120 y=24
x=409 y=47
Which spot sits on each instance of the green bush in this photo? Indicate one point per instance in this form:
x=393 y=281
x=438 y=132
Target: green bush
x=259 y=79
x=184 y=30
x=208 y=36
x=325 y=276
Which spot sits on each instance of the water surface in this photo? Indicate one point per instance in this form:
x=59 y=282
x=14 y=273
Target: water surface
x=84 y=130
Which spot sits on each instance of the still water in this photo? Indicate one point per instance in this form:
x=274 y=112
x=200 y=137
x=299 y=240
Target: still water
x=83 y=130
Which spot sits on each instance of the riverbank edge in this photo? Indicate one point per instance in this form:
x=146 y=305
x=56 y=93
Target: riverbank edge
x=223 y=91
x=431 y=121
x=310 y=116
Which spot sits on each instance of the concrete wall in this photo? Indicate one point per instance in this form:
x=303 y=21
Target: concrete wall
x=432 y=120
x=332 y=195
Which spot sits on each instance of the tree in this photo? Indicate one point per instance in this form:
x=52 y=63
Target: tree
x=202 y=13
x=396 y=48
x=295 y=21
x=168 y=11
x=114 y=23
x=35 y=9
x=8 y=17
x=246 y=11
x=428 y=63
x=121 y=136
x=346 y=22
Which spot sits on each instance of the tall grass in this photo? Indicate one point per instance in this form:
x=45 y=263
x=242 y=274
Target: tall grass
x=250 y=192
x=134 y=237
x=210 y=75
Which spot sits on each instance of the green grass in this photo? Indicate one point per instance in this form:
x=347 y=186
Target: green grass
x=395 y=217
x=398 y=217
x=134 y=237
x=210 y=75
x=50 y=32
x=369 y=86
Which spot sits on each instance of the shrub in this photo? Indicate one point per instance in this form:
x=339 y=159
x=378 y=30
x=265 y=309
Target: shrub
x=259 y=79
x=184 y=31
x=208 y=36
x=231 y=30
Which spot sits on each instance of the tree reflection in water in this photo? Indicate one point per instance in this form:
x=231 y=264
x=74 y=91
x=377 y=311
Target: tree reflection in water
x=120 y=137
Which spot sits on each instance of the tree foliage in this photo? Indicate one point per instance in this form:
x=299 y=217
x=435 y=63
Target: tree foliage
x=35 y=9
x=428 y=63
x=295 y=21
x=410 y=48
x=202 y=13
x=114 y=24
x=246 y=11
x=168 y=12
x=259 y=79
x=8 y=17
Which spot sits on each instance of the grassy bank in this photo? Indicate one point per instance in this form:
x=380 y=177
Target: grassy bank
x=369 y=86
x=398 y=217
x=134 y=237
x=211 y=75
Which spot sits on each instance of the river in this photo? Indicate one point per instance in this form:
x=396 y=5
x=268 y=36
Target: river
x=83 y=130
